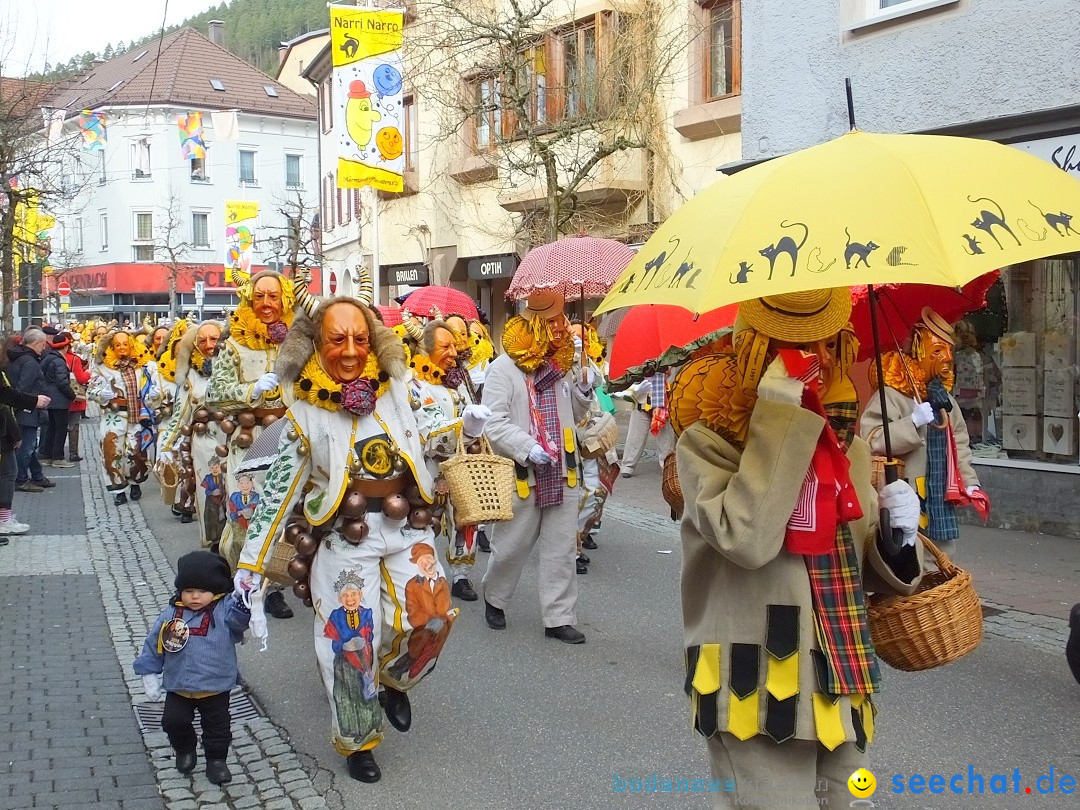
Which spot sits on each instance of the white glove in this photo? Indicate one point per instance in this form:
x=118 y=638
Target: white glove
x=151 y=685
x=577 y=343
x=165 y=457
x=973 y=489
x=267 y=382
x=903 y=505
x=587 y=380
x=923 y=414
x=244 y=583
x=150 y=367
x=777 y=386
x=473 y=419
x=539 y=457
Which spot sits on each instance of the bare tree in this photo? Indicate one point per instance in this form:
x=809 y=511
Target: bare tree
x=549 y=101
x=171 y=245
x=298 y=236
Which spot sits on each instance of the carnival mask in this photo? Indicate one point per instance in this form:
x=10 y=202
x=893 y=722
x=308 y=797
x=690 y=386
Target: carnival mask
x=444 y=352
x=460 y=329
x=559 y=329
x=206 y=339
x=159 y=337
x=344 y=343
x=121 y=344
x=266 y=300
x=934 y=355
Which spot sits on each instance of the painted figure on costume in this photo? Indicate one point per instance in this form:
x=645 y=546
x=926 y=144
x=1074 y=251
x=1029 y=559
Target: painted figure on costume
x=125 y=384
x=351 y=630
x=349 y=486
x=242 y=503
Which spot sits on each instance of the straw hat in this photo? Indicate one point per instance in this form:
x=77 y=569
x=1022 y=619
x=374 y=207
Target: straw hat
x=799 y=317
x=545 y=303
x=938 y=325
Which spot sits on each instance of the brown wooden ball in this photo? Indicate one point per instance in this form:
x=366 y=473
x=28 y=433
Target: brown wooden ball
x=474 y=449
x=298 y=568
x=201 y=415
x=307 y=545
x=292 y=531
x=185 y=446
x=199 y=428
x=396 y=507
x=217 y=416
x=243 y=441
x=221 y=450
x=246 y=419
x=308 y=603
x=412 y=493
x=302 y=591
x=354 y=531
x=354 y=505
x=185 y=430
x=420 y=518
x=269 y=420
x=228 y=426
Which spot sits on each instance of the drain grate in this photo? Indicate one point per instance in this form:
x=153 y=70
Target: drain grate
x=241 y=707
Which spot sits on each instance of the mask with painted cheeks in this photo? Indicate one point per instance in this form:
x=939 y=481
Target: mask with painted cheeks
x=344 y=342
x=266 y=300
x=122 y=345
x=444 y=352
x=206 y=339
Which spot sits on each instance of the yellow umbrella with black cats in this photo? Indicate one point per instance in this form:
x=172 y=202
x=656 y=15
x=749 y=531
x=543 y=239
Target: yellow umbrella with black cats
x=861 y=209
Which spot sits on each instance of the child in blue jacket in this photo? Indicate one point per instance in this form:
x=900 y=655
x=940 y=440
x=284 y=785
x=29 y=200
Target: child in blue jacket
x=190 y=652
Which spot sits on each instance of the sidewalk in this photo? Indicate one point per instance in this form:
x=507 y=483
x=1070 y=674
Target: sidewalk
x=71 y=705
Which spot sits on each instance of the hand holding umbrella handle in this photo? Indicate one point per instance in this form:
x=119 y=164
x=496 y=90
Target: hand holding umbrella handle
x=893 y=539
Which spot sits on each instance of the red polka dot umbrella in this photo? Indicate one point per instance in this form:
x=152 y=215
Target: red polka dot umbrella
x=447 y=300
x=577 y=266
x=391 y=316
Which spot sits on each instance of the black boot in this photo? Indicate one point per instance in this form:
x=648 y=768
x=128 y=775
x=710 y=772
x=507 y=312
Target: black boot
x=567 y=633
x=362 y=767
x=397 y=708
x=176 y=511
x=495 y=617
x=482 y=541
x=275 y=605
x=120 y=499
x=463 y=589
x=136 y=492
x=582 y=566
x=185 y=761
x=584 y=558
x=217 y=772
x=187 y=517
x=588 y=542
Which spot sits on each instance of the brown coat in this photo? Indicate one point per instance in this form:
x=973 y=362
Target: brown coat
x=422 y=603
x=735 y=570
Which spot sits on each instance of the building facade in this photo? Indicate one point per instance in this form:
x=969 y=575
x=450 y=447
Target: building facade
x=464 y=219
x=966 y=68
x=144 y=215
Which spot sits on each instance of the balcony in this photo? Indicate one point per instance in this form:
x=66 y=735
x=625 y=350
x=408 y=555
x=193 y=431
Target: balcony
x=616 y=181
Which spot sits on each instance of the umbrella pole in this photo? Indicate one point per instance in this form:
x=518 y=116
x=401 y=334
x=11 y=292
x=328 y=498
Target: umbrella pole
x=850 y=104
x=893 y=538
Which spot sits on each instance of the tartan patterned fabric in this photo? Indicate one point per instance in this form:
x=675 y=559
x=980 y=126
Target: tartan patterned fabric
x=942 y=514
x=658 y=392
x=838 y=598
x=549 y=479
x=129 y=373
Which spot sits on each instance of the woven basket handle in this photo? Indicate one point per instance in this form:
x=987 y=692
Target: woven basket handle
x=943 y=562
x=485 y=445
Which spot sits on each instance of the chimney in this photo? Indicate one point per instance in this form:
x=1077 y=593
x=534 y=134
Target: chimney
x=217 y=32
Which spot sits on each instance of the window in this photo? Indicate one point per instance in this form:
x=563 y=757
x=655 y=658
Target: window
x=103 y=226
x=530 y=79
x=345 y=213
x=723 y=69
x=270 y=91
x=247 y=167
x=326 y=104
x=140 y=159
x=412 y=135
x=487 y=120
x=580 y=71
x=143 y=243
x=327 y=205
x=78 y=234
x=101 y=168
x=198 y=170
x=292 y=172
x=339 y=218
x=200 y=229
x=218 y=85
x=356 y=206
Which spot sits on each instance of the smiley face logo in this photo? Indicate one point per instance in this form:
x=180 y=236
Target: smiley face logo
x=862 y=783
x=388 y=140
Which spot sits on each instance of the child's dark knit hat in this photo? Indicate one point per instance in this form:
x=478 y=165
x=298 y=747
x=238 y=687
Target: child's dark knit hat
x=203 y=570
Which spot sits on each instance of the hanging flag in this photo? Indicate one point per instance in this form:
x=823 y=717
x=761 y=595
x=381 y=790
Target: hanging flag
x=239 y=238
x=54 y=124
x=192 y=143
x=226 y=125
x=94 y=130
x=366 y=53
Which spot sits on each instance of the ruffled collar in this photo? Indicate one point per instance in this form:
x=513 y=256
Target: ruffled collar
x=528 y=342
x=247 y=330
x=425 y=370
x=200 y=363
x=139 y=356
x=318 y=388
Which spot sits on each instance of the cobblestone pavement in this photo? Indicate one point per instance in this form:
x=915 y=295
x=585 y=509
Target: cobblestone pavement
x=102 y=564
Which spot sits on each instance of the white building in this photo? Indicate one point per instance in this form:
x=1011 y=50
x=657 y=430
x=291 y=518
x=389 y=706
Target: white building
x=141 y=200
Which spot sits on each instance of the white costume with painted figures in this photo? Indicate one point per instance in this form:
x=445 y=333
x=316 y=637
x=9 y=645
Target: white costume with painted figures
x=127 y=399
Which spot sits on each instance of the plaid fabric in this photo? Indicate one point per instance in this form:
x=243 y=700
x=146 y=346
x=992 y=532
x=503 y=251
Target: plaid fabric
x=837 y=595
x=129 y=373
x=843 y=629
x=545 y=408
x=658 y=392
x=941 y=514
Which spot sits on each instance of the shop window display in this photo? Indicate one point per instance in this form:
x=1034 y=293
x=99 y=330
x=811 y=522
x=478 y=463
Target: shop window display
x=1015 y=361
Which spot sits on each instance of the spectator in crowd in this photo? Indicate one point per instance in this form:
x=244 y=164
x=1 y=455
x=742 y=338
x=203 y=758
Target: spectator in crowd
x=58 y=388
x=11 y=400
x=80 y=377
x=25 y=374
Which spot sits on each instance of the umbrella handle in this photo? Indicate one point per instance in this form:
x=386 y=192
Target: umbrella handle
x=944 y=425
x=892 y=538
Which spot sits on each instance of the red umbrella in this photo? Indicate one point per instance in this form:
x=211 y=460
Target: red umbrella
x=901 y=307
x=391 y=316
x=578 y=266
x=446 y=299
x=648 y=330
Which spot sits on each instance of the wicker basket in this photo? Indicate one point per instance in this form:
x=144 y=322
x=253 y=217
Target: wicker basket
x=939 y=623
x=168 y=476
x=481 y=485
x=671 y=488
x=877 y=471
x=597 y=434
x=277 y=567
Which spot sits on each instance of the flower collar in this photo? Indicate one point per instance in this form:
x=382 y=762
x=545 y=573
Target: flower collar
x=139 y=356
x=318 y=388
x=425 y=370
x=249 y=331
x=200 y=362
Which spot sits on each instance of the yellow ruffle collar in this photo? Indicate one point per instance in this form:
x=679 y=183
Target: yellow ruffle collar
x=318 y=388
x=139 y=354
x=528 y=343
x=247 y=330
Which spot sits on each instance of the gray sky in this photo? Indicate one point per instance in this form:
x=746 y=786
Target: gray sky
x=35 y=31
